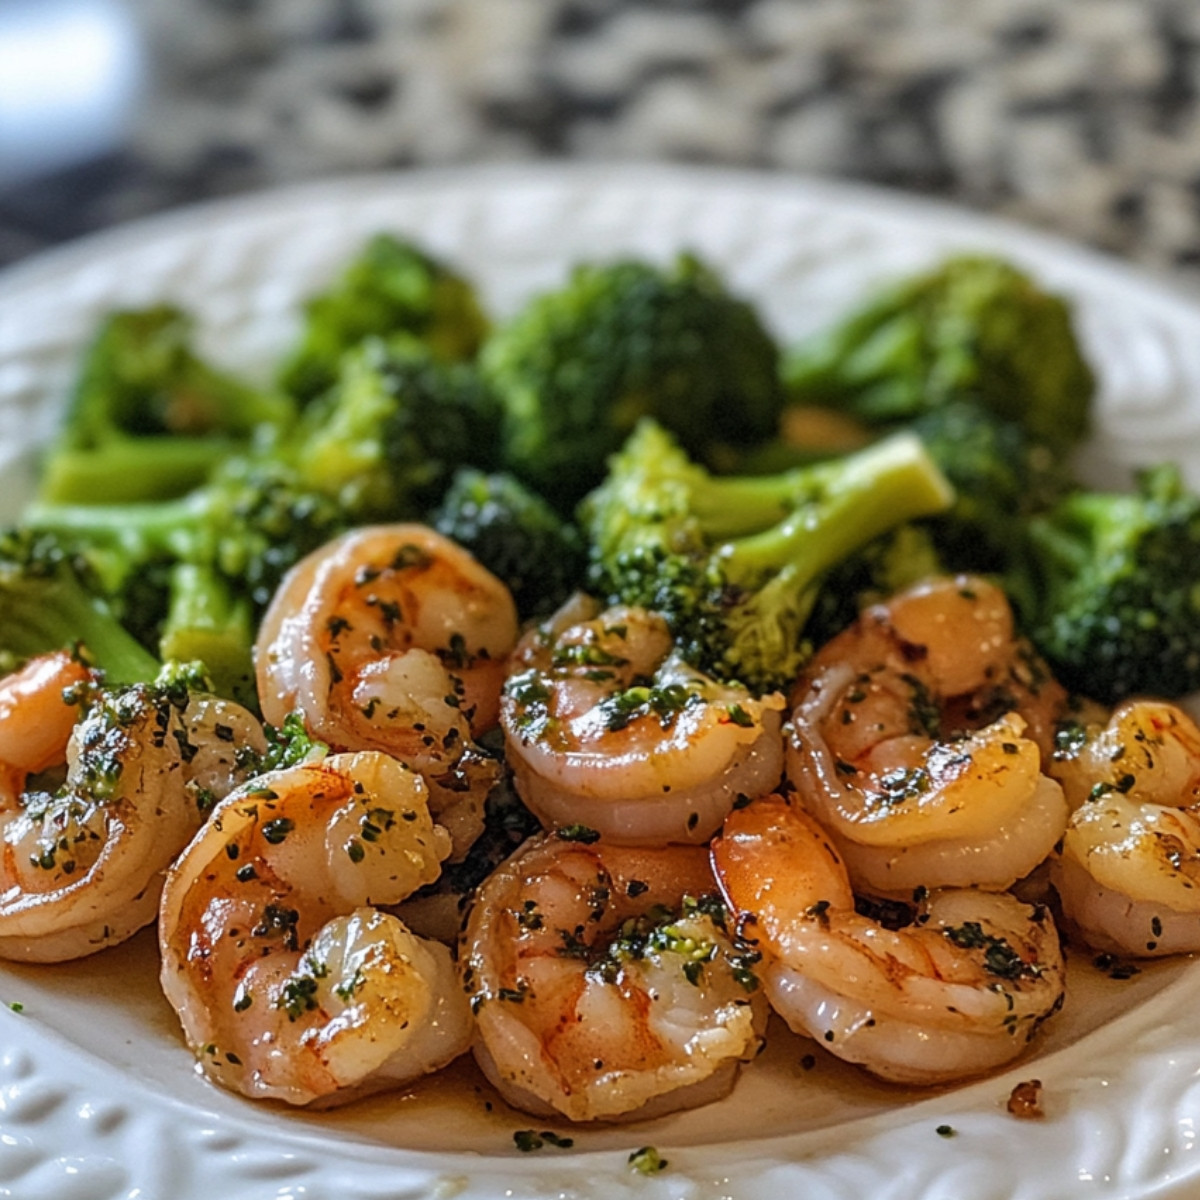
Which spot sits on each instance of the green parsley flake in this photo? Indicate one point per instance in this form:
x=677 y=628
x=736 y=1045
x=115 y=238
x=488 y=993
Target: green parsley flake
x=647 y=1161
x=529 y=1139
x=578 y=833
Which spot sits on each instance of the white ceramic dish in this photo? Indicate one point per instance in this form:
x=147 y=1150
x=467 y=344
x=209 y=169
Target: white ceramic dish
x=98 y=1097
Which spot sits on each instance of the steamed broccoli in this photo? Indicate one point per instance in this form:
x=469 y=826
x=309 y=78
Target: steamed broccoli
x=516 y=535
x=189 y=612
x=207 y=621
x=385 y=439
x=380 y=445
x=215 y=558
x=257 y=518
x=735 y=563
x=974 y=328
x=49 y=601
x=1119 y=605
x=577 y=368
x=392 y=287
x=150 y=419
x=201 y=568
x=1001 y=478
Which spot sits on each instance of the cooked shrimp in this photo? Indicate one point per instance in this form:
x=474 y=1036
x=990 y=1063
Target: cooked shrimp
x=606 y=726
x=390 y=638
x=82 y=867
x=37 y=714
x=288 y=981
x=1145 y=750
x=599 y=992
x=1129 y=871
x=958 y=993
x=917 y=743
x=942 y=657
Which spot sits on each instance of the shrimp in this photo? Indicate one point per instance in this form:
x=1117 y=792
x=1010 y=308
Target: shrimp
x=608 y=727
x=36 y=719
x=1145 y=750
x=389 y=638
x=83 y=866
x=288 y=980
x=600 y=992
x=958 y=993
x=917 y=741
x=1129 y=871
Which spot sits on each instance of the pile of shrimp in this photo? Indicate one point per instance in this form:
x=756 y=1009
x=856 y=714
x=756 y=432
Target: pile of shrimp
x=843 y=857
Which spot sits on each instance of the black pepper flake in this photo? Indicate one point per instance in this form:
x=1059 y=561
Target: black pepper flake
x=275 y=831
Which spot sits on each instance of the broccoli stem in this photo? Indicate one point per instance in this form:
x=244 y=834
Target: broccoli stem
x=837 y=508
x=42 y=614
x=138 y=530
x=732 y=506
x=775 y=575
x=150 y=419
x=126 y=470
x=206 y=623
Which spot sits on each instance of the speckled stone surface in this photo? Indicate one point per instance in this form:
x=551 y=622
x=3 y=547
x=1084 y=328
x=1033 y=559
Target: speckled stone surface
x=1080 y=116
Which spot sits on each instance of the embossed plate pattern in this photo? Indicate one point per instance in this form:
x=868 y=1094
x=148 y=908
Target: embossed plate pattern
x=98 y=1099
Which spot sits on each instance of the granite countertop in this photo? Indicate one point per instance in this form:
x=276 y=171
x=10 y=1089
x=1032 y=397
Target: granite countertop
x=1079 y=116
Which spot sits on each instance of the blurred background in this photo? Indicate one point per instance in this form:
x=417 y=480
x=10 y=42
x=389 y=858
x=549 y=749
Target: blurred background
x=1078 y=116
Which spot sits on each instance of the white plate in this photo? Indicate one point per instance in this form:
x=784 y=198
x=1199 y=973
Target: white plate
x=98 y=1097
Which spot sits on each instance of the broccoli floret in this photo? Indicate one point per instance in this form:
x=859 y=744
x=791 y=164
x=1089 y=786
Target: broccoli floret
x=187 y=611
x=516 y=535
x=1001 y=478
x=386 y=438
x=392 y=287
x=250 y=524
x=257 y=519
x=1119 y=605
x=381 y=445
x=577 y=368
x=735 y=563
x=214 y=558
x=974 y=328
x=149 y=418
x=49 y=601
